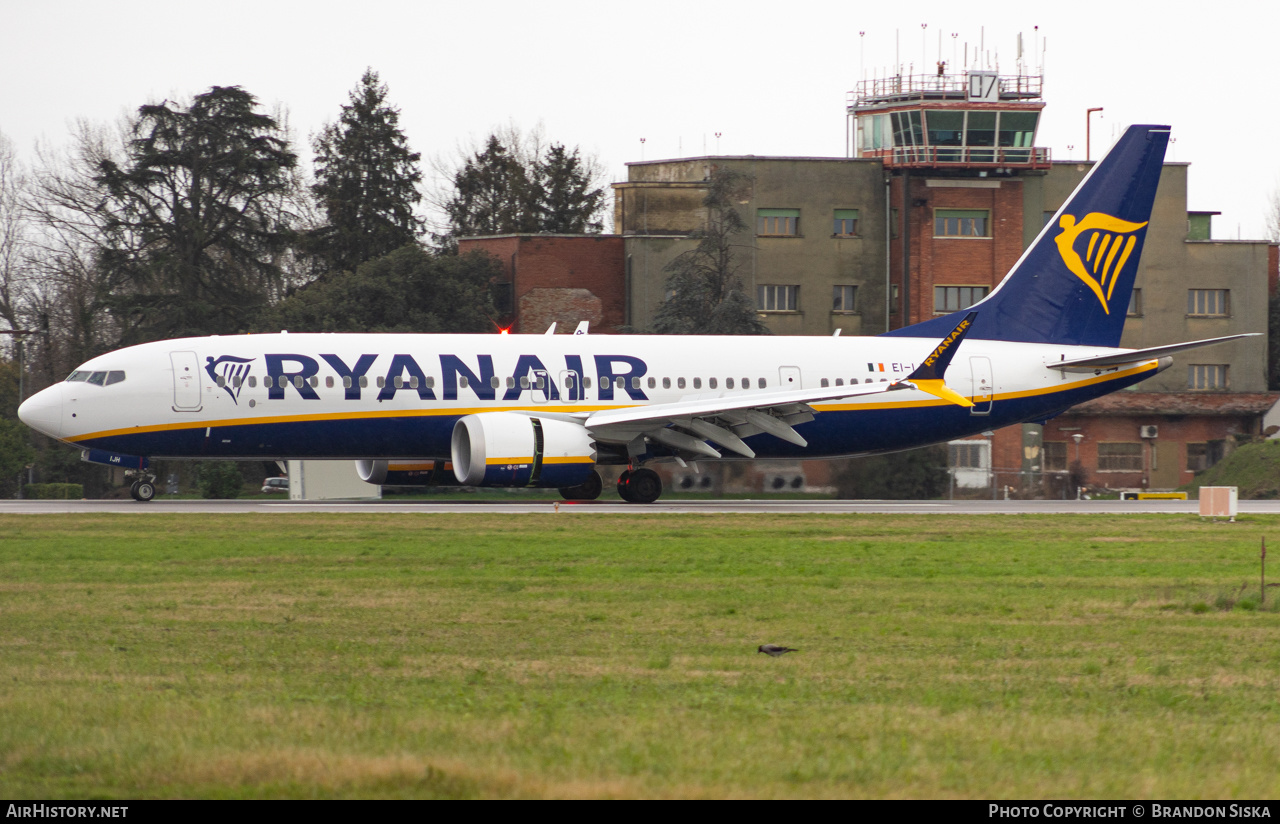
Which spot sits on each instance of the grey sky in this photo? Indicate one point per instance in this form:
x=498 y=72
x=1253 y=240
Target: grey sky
x=770 y=76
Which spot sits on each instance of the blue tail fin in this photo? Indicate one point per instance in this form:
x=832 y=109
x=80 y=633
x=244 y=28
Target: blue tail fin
x=1072 y=285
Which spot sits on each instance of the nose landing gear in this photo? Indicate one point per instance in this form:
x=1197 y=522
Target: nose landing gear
x=144 y=488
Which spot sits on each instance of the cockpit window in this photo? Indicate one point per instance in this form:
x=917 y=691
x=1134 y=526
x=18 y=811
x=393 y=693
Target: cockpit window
x=96 y=378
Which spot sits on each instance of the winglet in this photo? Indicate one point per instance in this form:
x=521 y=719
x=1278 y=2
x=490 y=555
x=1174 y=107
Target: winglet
x=928 y=376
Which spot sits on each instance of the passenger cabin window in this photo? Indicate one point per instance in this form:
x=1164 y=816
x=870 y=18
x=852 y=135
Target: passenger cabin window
x=728 y=383
x=666 y=383
x=253 y=382
x=680 y=383
x=711 y=383
x=697 y=383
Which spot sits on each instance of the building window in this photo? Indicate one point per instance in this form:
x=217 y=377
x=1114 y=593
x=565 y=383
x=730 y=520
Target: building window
x=968 y=455
x=778 y=222
x=1055 y=456
x=1135 y=304
x=954 y=298
x=1201 y=456
x=842 y=298
x=1207 y=376
x=960 y=222
x=1120 y=457
x=1207 y=303
x=893 y=298
x=777 y=298
x=846 y=223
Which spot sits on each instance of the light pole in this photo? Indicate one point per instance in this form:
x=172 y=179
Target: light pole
x=1088 y=123
x=1077 y=437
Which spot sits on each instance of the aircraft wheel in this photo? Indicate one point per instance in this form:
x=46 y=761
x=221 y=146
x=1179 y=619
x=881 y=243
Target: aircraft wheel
x=624 y=486
x=143 y=491
x=133 y=490
x=588 y=490
x=641 y=486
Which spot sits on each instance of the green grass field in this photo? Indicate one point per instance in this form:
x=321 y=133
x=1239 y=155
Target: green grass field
x=606 y=656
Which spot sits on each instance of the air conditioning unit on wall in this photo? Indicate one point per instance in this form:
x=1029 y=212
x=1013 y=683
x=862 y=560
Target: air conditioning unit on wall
x=1148 y=431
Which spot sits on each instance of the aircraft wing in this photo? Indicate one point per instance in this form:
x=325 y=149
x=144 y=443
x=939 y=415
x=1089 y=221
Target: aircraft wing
x=685 y=425
x=1133 y=356
x=725 y=420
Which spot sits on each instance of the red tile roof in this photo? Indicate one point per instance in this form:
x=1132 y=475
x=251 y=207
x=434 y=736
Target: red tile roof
x=1178 y=403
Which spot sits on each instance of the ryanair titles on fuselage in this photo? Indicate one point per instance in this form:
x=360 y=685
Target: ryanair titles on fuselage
x=616 y=375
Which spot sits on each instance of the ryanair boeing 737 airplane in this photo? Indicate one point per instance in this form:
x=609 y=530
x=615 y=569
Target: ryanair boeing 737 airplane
x=545 y=410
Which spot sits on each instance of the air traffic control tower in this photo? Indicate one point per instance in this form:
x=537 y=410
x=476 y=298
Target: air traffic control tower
x=956 y=150
x=976 y=120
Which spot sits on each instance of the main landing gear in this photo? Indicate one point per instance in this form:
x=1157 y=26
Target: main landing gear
x=588 y=490
x=639 y=486
x=143 y=489
x=636 y=486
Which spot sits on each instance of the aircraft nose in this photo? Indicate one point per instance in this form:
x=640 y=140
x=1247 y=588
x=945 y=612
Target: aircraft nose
x=43 y=411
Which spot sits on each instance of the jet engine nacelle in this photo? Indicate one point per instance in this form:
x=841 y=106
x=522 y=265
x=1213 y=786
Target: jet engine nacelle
x=407 y=473
x=512 y=449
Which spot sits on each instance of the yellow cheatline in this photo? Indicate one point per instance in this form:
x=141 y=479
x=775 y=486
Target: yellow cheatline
x=1029 y=393
x=338 y=416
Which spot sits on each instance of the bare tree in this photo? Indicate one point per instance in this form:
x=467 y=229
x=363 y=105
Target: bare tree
x=1273 y=215
x=14 y=229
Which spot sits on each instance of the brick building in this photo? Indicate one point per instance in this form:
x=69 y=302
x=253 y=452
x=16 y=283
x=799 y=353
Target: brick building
x=951 y=184
x=561 y=279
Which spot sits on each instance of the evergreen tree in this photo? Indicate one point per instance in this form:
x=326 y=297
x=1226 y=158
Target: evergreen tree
x=195 y=220
x=409 y=290
x=706 y=296
x=515 y=185
x=567 y=202
x=916 y=474
x=367 y=181
x=493 y=195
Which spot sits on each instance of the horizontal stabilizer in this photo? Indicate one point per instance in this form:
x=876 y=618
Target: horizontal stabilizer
x=1138 y=355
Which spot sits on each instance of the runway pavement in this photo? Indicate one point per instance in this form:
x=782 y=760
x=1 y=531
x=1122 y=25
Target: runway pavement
x=672 y=507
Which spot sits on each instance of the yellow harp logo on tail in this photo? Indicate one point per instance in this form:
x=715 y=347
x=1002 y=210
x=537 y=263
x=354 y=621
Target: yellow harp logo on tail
x=1109 y=243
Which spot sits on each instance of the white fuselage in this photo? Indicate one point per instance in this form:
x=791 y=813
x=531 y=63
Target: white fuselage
x=398 y=396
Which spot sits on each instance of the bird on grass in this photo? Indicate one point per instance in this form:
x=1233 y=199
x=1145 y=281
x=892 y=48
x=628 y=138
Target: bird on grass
x=774 y=650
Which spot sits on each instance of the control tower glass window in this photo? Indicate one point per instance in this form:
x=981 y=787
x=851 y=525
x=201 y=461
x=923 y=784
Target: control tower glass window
x=946 y=127
x=982 y=129
x=907 y=130
x=1017 y=129
x=946 y=130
